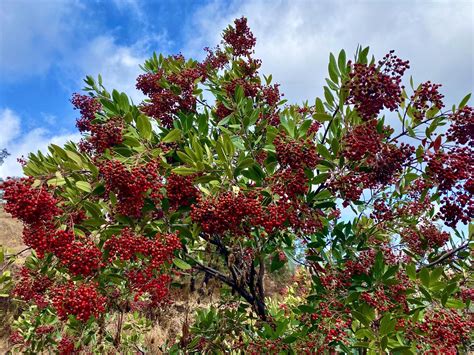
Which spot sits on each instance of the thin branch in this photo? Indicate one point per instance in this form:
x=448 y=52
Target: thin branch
x=213 y=272
x=329 y=125
x=446 y=255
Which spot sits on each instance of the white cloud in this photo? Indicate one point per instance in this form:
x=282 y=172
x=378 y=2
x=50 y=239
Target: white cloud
x=118 y=65
x=10 y=125
x=19 y=145
x=33 y=34
x=36 y=36
x=294 y=38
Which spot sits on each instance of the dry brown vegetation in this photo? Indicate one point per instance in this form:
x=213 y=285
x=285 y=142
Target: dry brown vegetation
x=10 y=238
x=167 y=325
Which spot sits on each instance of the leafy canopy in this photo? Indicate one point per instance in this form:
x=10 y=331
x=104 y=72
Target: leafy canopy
x=215 y=175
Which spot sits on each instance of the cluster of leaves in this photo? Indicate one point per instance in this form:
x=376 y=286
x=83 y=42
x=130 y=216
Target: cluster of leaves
x=213 y=173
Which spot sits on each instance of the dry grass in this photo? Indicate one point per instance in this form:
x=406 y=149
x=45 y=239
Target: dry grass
x=10 y=232
x=10 y=239
x=168 y=324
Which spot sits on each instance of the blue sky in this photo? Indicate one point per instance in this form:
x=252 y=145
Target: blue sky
x=48 y=46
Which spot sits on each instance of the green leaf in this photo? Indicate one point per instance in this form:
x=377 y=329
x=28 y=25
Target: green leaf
x=184 y=171
x=436 y=274
x=424 y=276
x=319 y=105
x=324 y=152
x=411 y=271
x=332 y=68
x=75 y=157
x=387 y=324
x=144 y=127
x=322 y=117
x=183 y=265
x=427 y=295
x=378 y=265
x=172 y=136
x=364 y=333
x=341 y=61
x=455 y=303
x=361 y=317
x=320 y=178
x=84 y=186
x=464 y=101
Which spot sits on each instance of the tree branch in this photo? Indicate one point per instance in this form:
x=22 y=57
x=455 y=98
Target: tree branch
x=329 y=125
x=446 y=255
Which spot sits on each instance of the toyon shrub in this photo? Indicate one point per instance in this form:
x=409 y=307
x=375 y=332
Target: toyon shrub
x=368 y=190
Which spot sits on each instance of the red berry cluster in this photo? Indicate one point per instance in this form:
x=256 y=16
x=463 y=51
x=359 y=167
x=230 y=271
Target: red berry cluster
x=250 y=88
x=144 y=283
x=32 y=286
x=227 y=213
x=66 y=346
x=377 y=170
x=81 y=258
x=240 y=39
x=332 y=279
x=44 y=330
x=145 y=277
x=372 y=88
x=388 y=163
x=222 y=111
x=293 y=157
x=348 y=186
x=423 y=238
x=295 y=154
x=362 y=265
x=88 y=106
x=333 y=323
x=103 y=136
x=466 y=294
x=180 y=191
x=215 y=60
x=83 y=301
x=248 y=67
x=424 y=97
x=453 y=173
x=276 y=214
x=377 y=300
x=289 y=183
x=127 y=246
x=29 y=204
x=16 y=338
x=443 y=330
x=314 y=128
x=462 y=126
x=271 y=94
x=362 y=140
x=131 y=186
x=169 y=93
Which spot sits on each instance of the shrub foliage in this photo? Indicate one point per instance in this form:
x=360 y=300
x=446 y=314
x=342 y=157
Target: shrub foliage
x=368 y=189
